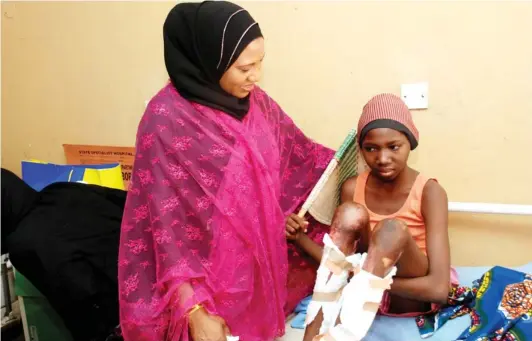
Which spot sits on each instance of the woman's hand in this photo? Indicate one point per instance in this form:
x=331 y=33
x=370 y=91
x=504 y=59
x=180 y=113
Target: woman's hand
x=205 y=327
x=295 y=225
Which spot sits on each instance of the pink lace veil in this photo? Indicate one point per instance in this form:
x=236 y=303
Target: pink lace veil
x=204 y=218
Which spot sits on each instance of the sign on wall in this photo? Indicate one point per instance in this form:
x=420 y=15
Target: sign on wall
x=92 y=155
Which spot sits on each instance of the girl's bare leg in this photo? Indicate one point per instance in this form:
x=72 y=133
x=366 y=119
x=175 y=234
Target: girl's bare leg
x=391 y=244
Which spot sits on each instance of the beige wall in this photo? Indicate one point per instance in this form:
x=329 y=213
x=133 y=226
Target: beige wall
x=79 y=72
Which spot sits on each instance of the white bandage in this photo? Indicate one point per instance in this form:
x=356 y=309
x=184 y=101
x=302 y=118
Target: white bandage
x=331 y=278
x=361 y=299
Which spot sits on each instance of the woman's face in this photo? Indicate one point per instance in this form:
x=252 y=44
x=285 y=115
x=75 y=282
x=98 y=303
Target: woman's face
x=386 y=152
x=241 y=77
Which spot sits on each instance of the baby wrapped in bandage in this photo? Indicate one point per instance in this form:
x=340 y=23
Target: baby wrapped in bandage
x=337 y=262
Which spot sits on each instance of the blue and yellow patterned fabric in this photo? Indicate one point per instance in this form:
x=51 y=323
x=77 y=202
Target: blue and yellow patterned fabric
x=499 y=304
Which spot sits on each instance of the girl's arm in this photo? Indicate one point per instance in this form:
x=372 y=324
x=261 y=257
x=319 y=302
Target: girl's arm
x=434 y=287
x=309 y=246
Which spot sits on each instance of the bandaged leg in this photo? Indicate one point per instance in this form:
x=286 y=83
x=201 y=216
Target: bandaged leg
x=360 y=302
x=349 y=222
x=331 y=278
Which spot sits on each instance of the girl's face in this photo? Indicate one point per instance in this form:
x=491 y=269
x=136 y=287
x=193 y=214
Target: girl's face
x=386 y=152
x=239 y=80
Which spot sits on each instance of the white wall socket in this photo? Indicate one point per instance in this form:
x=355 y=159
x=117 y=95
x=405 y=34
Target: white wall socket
x=415 y=95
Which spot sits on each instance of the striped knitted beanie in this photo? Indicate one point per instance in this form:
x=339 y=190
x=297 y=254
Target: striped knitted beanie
x=387 y=111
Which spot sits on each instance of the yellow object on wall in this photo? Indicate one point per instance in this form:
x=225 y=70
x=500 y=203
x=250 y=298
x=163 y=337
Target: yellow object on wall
x=80 y=72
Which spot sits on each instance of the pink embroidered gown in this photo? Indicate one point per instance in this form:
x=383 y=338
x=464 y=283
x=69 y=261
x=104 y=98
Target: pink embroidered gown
x=205 y=215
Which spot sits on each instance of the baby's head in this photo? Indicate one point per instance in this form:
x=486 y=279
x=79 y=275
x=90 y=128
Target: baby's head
x=348 y=221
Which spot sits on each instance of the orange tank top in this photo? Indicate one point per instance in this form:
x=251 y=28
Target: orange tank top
x=410 y=212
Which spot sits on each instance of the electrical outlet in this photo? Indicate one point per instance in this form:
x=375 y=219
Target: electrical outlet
x=415 y=95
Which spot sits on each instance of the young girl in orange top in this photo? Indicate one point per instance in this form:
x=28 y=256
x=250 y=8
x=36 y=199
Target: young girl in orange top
x=407 y=214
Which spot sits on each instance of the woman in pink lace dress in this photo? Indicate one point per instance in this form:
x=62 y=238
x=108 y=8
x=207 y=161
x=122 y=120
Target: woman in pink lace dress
x=219 y=167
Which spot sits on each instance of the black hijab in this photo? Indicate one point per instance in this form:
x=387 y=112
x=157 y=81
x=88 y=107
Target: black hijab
x=201 y=41
x=18 y=199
